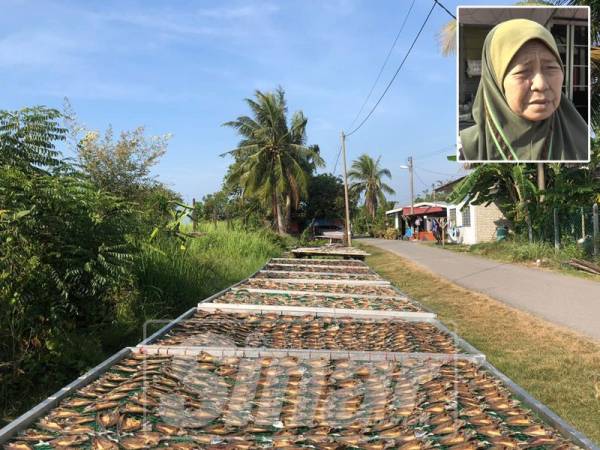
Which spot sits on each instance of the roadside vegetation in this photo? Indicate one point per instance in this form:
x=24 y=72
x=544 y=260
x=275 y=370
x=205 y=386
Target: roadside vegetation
x=92 y=248
x=557 y=366
x=538 y=254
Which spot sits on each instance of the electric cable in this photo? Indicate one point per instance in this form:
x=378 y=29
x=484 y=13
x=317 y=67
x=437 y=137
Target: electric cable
x=395 y=74
x=387 y=58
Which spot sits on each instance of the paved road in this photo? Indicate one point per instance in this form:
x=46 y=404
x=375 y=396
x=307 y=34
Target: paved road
x=562 y=299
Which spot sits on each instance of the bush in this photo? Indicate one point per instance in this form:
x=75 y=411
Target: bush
x=64 y=256
x=391 y=233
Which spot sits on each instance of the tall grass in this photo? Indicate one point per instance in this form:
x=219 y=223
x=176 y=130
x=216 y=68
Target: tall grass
x=171 y=280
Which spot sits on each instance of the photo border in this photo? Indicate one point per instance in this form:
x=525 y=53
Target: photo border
x=589 y=75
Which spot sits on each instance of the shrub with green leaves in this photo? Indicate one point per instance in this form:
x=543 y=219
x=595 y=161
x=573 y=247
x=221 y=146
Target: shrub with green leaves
x=64 y=255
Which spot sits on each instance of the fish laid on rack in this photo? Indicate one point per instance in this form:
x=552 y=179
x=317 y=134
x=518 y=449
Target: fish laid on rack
x=317 y=268
x=260 y=298
x=328 y=261
x=318 y=275
x=271 y=330
x=384 y=291
x=244 y=403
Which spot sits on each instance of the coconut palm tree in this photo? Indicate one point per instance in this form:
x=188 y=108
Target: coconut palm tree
x=365 y=176
x=272 y=160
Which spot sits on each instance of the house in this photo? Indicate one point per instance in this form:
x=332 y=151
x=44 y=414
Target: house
x=569 y=26
x=472 y=224
x=419 y=217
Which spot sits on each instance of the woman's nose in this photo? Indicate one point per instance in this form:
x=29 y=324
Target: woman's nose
x=539 y=82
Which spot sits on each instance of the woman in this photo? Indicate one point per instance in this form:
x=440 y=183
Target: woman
x=519 y=112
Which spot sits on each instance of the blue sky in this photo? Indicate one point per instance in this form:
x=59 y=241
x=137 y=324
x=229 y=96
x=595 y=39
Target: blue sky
x=184 y=67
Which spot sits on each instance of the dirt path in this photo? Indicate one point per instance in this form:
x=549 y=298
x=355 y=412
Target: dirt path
x=564 y=300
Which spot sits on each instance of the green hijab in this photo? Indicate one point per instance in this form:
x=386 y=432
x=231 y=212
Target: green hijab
x=500 y=134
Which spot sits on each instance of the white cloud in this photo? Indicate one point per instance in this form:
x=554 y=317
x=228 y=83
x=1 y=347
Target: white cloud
x=42 y=48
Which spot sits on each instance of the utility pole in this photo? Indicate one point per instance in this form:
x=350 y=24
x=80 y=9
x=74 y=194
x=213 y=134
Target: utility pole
x=412 y=187
x=541 y=180
x=433 y=191
x=348 y=231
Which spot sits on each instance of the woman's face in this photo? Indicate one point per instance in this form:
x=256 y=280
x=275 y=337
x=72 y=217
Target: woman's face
x=533 y=82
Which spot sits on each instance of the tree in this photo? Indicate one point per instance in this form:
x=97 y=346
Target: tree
x=365 y=176
x=511 y=186
x=214 y=206
x=325 y=198
x=121 y=167
x=272 y=159
x=65 y=255
x=27 y=139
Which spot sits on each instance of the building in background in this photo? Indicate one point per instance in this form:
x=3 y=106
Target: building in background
x=472 y=224
x=420 y=219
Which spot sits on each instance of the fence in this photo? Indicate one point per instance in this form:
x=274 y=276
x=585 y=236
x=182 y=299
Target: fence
x=579 y=225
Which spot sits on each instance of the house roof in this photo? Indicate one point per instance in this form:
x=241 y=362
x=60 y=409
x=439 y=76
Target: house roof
x=493 y=16
x=449 y=186
x=424 y=207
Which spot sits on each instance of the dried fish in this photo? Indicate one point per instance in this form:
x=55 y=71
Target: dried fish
x=70 y=441
x=18 y=446
x=127 y=424
x=102 y=443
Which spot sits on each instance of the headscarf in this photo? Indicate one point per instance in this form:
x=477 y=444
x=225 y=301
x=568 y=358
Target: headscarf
x=499 y=133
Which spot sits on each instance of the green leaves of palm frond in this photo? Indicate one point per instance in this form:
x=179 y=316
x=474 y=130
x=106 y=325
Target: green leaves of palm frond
x=366 y=179
x=272 y=159
x=447 y=38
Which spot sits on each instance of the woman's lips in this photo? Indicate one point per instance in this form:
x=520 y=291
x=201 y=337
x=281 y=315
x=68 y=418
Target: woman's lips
x=539 y=102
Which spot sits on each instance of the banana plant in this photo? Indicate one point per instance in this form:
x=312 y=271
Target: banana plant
x=173 y=228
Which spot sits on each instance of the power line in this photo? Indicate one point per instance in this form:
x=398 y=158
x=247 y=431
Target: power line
x=337 y=160
x=420 y=179
x=387 y=58
x=437 y=173
x=435 y=152
x=445 y=9
x=395 y=74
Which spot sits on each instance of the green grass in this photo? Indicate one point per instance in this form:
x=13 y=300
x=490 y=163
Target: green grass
x=557 y=366
x=528 y=253
x=171 y=280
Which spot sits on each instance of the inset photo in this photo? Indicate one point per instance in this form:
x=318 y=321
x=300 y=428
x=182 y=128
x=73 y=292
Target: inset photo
x=523 y=84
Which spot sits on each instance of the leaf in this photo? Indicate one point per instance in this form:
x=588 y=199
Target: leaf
x=21 y=214
x=154 y=234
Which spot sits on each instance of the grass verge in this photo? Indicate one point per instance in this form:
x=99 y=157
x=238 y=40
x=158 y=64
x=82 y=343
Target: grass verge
x=558 y=367
x=528 y=253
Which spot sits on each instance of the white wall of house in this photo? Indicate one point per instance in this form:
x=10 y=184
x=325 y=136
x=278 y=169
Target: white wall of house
x=464 y=219
x=476 y=225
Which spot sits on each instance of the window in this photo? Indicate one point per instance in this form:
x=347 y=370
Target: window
x=572 y=43
x=453 y=216
x=466 y=216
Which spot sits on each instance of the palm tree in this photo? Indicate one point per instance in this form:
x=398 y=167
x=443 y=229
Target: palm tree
x=366 y=175
x=272 y=161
